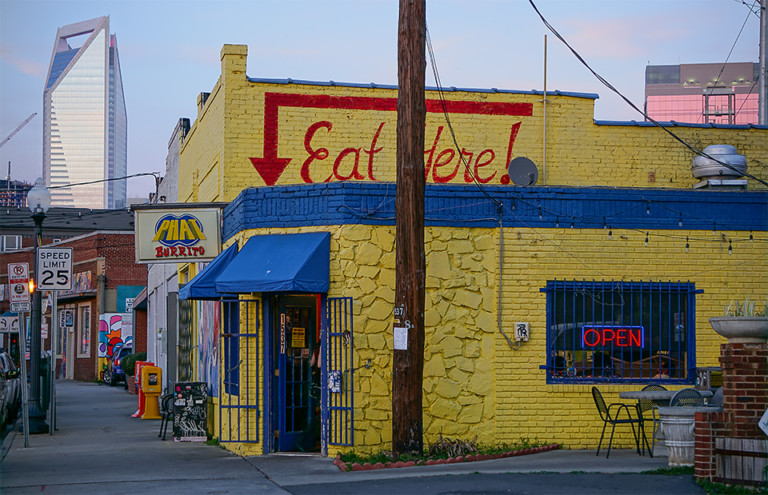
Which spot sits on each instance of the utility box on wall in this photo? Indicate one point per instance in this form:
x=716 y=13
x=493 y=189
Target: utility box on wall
x=522 y=331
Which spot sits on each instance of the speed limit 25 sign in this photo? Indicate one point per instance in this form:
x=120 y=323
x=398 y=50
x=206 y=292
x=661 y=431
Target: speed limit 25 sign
x=55 y=265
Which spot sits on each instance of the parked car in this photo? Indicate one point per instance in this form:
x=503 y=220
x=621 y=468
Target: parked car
x=3 y=406
x=11 y=385
x=114 y=374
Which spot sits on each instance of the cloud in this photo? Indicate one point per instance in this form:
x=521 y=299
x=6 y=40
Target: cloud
x=26 y=66
x=619 y=38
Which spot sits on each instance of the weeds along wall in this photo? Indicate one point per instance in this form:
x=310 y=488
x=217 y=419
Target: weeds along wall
x=254 y=132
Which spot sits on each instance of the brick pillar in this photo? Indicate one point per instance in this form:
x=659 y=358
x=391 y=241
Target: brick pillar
x=745 y=387
x=745 y=398
x=709 y=425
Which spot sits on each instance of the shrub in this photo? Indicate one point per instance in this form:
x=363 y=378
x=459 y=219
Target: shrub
x=128 y=363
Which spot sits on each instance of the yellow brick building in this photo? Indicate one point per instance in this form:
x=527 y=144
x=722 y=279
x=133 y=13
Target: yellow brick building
x=613 y=241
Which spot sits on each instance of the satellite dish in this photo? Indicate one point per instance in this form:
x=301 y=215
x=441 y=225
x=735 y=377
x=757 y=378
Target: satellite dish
x=522 y=171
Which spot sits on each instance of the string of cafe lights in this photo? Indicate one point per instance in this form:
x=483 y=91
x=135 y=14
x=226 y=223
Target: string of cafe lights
x=603 y=222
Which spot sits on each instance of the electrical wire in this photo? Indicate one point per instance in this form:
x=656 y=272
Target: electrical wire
x=746 y=98
x=722 y=69
x=752 y=8
x=626 y=100
x=439 y=86
x=156 y=175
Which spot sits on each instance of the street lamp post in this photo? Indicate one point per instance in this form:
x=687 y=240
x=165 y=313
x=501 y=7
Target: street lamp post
x=38 y=200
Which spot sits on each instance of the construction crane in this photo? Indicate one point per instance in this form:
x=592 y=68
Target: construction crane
x=20 y=126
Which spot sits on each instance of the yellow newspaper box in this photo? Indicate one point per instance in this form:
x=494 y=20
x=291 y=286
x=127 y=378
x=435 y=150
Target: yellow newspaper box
x=152 y=386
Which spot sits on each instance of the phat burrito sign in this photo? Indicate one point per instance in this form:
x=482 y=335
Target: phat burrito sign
x=179 y=235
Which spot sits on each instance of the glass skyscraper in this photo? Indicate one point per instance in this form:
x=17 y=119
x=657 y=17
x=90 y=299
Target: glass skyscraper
x=85 y=130
x=703 y=93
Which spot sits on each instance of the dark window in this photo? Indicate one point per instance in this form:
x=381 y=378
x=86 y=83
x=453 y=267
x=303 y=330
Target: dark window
x=231 y=341
x=620 y=331
x=662 y=74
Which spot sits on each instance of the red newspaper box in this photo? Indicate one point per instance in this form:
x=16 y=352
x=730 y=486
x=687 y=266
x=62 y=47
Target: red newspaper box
x=139 y=364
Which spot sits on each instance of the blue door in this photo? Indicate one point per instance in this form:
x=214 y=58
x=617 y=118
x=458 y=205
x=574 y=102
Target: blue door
x=297 y=375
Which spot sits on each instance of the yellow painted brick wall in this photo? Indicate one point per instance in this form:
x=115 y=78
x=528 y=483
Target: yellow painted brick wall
x=474 y=382
x=333 y=143
x=504 y=396
x=566 y=413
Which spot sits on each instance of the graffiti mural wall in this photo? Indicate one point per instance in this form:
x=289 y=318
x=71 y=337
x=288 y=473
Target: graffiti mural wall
x=115 y=330
x=208 y=339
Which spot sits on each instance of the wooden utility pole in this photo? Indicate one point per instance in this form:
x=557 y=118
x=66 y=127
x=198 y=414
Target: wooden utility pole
x=408 y=360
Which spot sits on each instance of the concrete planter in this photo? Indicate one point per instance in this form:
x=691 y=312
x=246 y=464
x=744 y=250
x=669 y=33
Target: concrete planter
x=741 y=329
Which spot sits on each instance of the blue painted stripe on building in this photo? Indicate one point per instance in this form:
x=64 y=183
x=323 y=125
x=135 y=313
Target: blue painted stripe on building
x=591 y=96
x=524 y=207
x=673 y=123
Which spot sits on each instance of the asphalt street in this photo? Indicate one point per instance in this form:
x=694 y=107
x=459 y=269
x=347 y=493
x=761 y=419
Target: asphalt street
x=99 y=448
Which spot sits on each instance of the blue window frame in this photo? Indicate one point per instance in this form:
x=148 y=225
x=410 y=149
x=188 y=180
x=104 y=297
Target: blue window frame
x=616 y=331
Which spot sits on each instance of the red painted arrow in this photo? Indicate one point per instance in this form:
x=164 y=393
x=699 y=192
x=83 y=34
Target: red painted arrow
x=271 y=167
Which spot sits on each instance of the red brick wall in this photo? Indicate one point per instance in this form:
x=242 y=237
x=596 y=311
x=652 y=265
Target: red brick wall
x=140 y=331
x=745 y=398
x=745 y=386
x=118 y=252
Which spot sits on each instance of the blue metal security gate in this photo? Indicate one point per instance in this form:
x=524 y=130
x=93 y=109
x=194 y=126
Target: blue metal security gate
x=338 y=373
x=241 y=387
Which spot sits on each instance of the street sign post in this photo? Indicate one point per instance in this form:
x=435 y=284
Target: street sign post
x=18 y=282
x=55 y=265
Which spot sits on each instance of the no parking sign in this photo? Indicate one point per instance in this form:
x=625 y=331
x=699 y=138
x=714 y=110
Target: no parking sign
x=18 y=282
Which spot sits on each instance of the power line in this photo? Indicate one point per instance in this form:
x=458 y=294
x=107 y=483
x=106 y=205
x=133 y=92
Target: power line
x=752 y=8
x=657 y=124
x=722 y=69
x=156 y=175
x=433 y=63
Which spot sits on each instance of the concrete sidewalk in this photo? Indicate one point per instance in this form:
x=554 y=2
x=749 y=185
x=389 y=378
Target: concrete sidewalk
x=100 y=448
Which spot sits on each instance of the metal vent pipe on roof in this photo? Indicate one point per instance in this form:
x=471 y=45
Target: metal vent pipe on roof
x=725 y=163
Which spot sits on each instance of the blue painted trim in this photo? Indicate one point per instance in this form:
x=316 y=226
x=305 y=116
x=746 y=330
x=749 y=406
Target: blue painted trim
x=373 y=203
x=592 y=96
x=673 y=123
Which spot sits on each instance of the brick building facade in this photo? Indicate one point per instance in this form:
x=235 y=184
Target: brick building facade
x=104 y=278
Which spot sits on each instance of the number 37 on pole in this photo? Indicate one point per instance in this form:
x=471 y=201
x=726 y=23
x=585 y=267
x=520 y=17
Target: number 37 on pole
x=55 y=268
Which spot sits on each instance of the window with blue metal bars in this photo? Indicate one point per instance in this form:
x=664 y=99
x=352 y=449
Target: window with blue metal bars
x=239 y=404
x=617 y=331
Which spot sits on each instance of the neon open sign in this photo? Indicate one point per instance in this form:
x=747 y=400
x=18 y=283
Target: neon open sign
x=612 y=335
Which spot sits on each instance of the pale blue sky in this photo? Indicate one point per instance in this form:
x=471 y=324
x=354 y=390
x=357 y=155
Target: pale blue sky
x=169 y=51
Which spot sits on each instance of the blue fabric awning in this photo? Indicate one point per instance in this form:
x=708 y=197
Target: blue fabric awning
x=279 y=263
x=203 y=285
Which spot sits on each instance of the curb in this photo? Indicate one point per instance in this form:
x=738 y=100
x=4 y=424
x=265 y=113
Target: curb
x=354 y=466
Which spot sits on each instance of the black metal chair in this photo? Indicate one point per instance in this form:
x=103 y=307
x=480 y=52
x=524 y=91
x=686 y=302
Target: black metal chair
x=611 y=414
x=687 y=397
x=645 y=405
x=166 y=414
